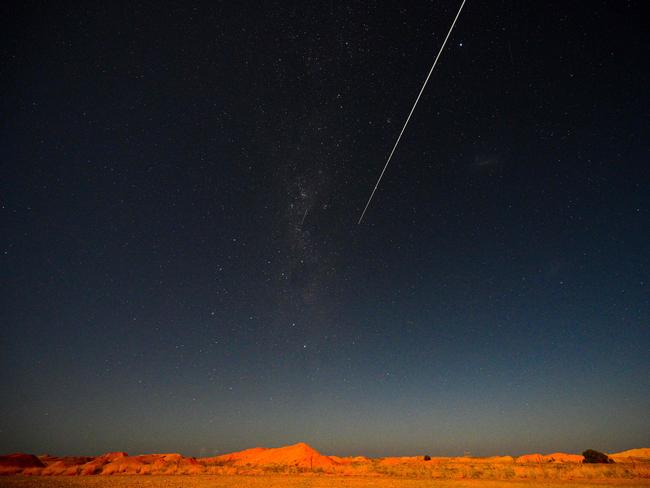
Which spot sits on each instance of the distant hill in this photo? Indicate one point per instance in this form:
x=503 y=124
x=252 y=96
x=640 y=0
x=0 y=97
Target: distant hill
x=302 y=458
x=641 y=453
x=299 y=455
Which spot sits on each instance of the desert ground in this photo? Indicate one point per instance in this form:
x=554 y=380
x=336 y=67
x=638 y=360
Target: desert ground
x=293 y=481
x=302 y=466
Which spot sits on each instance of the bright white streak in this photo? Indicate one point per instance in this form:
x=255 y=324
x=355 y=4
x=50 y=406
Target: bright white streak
x=411 y=112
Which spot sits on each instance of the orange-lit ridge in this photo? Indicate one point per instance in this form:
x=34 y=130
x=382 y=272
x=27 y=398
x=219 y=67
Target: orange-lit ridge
x=294 y=458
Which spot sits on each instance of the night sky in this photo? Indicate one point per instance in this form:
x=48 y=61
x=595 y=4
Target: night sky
x=182 y=268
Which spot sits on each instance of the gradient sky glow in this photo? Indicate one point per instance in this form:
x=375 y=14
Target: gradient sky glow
x=181 y=264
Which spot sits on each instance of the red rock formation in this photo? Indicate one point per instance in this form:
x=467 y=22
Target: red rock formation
x=299 y=455
x=530 y=458
x=260 y=460
x=562 y=457
x=16 y=463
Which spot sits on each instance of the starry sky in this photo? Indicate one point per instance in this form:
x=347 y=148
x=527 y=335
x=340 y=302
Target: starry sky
x=182 y=268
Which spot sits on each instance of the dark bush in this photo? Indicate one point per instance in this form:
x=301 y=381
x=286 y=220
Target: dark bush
x=595 y=457
x=427 y=458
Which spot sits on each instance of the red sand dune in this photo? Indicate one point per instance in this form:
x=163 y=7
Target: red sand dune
x=300 y=455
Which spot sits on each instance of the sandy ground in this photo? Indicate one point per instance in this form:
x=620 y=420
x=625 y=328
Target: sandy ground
x=270 y=481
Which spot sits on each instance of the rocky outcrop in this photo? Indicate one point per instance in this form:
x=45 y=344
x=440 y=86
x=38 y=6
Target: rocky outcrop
x=18 y=462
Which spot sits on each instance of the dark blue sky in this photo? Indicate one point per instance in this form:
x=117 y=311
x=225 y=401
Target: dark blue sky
x=182 y=268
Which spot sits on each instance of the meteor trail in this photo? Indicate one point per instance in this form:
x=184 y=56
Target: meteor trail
x=411 y=112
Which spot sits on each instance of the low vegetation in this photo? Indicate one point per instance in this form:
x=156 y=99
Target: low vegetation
x=596 y=457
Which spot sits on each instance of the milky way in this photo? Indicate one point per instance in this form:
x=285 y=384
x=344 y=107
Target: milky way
x=182 y=263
